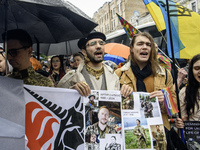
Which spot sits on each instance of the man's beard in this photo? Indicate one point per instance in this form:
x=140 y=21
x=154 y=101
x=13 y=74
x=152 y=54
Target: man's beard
x=93 y=60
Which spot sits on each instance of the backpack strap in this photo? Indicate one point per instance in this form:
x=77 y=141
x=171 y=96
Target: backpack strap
x=166 y=76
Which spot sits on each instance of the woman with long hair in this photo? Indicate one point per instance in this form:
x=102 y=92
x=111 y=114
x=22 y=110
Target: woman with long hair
x=190 y=95
x=143 y=73
x=56 y=69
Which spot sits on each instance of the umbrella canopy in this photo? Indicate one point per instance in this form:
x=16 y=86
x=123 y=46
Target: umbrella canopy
x=63 y=48
x=114 y=58
x=47 y=21
x=117 y=49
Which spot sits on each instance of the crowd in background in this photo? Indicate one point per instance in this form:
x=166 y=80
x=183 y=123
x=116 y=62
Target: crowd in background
x=135 y=74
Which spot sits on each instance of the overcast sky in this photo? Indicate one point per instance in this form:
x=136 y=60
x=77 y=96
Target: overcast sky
x=88 y=6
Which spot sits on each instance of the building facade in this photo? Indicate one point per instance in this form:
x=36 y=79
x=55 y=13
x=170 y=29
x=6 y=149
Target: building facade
x=194 y=5
x=106 y=15
x=134 y=11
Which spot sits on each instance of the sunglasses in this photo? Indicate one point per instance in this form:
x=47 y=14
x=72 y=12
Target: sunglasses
x=95 y=42
x=14 y=52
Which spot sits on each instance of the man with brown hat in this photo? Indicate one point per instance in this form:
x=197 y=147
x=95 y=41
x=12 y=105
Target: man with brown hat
x=92 y=73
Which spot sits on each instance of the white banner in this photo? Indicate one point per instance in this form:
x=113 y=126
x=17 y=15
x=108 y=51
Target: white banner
x=54 y=118
x=58 y=119
x=12 y=114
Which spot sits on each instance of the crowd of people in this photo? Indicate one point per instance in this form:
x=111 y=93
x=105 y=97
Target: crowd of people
x=86 y=71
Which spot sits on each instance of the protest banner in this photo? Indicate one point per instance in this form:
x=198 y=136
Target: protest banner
x=58 y=118
x=192 y=134
x=12 y=114
x=103 y=120
x=54 y=118
x=142 y=124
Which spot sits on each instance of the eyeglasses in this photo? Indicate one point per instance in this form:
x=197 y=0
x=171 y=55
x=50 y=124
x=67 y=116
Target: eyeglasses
x=95 y=42
x=14 y=52
x=55 y=61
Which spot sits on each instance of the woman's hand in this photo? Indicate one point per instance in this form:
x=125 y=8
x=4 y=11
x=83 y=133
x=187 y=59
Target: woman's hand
x=179 y=123
x=158 y=94
x=126 y=90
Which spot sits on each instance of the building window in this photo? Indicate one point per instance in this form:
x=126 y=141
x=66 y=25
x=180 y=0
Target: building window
x=193 y=6
x=112 y=25
x=118 y=8
x=111 y=14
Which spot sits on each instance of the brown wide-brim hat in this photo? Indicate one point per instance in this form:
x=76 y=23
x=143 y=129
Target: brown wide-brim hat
x=82 y=42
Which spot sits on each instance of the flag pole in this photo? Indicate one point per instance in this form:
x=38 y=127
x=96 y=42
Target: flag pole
x=168 y=57
x=5 y=42
x=135 y=31
x=165 y=54
x=173 y=66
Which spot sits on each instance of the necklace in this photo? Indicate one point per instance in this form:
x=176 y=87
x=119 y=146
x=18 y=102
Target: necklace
x=95 y=72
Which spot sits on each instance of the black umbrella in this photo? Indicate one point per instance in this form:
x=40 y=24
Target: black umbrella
x=63 y=48
x=47 y=21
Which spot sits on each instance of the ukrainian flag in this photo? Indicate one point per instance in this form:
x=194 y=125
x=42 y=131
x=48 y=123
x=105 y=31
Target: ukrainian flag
x=185 y=26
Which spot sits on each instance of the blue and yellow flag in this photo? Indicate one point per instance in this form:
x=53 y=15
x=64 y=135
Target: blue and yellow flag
x=184 y=25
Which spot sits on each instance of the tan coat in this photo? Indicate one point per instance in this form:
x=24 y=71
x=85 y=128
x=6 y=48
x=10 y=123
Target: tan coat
x=194 y=116
x=72 y=77
x=127 y=77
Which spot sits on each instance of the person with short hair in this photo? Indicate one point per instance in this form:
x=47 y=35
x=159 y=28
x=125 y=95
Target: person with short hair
x=141 y=135
x=91 y=101
x=148 y=108
x=92 y=73
x=159 y=136
x=101 y=128
x=77 y=58
x=19 y=49
x=113 y=145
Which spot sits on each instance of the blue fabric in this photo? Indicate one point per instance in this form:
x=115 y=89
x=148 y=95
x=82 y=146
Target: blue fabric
x=114 y=58
x=177 y=44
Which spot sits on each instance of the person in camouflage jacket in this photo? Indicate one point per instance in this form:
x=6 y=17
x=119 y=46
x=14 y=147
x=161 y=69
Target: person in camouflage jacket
x=101 y=128
x=19 y=49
